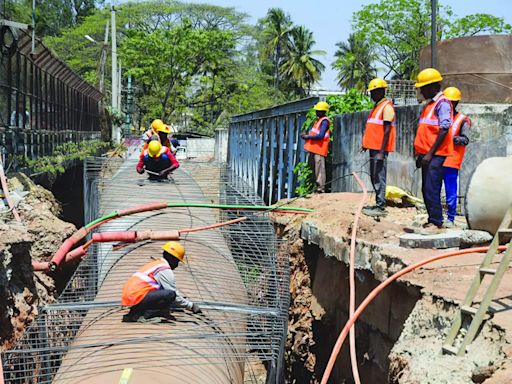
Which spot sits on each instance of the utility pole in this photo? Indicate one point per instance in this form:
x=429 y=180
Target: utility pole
x=103 y=60
x=433 y=34
x=33 y=26
x=119 y=86
x=116 y=137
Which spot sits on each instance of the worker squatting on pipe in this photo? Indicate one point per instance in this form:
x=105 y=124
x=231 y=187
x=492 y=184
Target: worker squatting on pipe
x=373 y=294
x=66 y=254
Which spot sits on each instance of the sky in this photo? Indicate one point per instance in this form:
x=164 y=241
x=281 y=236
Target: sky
x=330 y=21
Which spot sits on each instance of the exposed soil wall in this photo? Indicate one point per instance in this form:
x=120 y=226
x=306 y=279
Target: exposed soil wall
x=399 y=336
x=37 y=238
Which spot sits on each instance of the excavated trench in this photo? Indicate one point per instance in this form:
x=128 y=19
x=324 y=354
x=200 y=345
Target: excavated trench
x=398 y=337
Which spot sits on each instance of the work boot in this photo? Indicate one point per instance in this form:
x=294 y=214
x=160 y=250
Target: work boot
x=430 y=229
x=128 y=318
x=375 y=212
x=449 y=224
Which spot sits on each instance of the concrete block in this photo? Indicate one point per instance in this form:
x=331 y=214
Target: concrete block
x=449 y=239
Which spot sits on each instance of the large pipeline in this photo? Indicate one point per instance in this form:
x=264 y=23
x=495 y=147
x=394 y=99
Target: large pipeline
x=489 y=194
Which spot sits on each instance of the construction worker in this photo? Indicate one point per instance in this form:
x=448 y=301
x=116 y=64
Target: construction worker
x=433 y=144
x=379 y=138
x=460 y=134
x=151 y=291
x=157 y=160
x=156 y=126
x=162 y=131
x=317 y=143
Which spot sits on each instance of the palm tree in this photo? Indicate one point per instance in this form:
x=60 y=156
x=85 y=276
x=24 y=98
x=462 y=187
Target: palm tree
x=277 y=30
x=300 y=66
x=354 y=62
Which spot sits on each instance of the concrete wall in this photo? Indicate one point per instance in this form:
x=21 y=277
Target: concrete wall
x=491 y=135
x=221 y=144
x=203 y=148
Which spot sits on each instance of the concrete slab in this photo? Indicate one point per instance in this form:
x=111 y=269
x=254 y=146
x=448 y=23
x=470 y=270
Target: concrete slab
x=448 y=239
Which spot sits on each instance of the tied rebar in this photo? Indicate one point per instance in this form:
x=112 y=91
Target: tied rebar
x=233 y=273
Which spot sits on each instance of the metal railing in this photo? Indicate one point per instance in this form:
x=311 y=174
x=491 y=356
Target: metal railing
x=43 y=103
x=264 y=147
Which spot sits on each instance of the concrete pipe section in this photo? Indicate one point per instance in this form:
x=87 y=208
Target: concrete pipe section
x=159 y=353
x=489 y=194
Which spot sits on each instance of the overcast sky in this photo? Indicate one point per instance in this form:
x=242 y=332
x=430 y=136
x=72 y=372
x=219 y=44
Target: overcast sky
x=330 y=20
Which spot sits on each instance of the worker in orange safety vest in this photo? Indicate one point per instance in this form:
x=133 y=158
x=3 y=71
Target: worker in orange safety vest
x=379 y=138
x=452 y=164
x=433 y=144
x=151 y=291
x=317 y=143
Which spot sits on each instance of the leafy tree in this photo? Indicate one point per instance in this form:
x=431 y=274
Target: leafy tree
x=398 y=29
x=479 y=23
x=277 y=27
x=299 y=64
x=354 y=63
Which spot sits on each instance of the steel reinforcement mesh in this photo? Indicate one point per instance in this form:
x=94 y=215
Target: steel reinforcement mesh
x=233 y=273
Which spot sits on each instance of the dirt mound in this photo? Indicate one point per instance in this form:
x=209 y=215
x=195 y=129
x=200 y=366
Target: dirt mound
x=37 y=237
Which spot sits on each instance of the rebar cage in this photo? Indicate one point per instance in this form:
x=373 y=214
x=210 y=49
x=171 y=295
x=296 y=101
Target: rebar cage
x=233 y=273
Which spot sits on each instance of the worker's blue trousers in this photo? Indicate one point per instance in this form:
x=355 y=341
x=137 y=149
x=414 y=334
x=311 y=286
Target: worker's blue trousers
x=432 y=182
x=451 y=176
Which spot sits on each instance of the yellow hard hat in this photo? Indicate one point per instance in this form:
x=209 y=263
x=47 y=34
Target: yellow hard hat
x=452 y=94
x=163 y=128
x=154 y=148
x=175 y=249
x=157 y=124
x=321 y=106
x=377 y=83
x=428 y=76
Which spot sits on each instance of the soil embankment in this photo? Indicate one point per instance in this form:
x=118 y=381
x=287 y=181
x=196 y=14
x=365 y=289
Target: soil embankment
x=36 y=238
x=400 y=334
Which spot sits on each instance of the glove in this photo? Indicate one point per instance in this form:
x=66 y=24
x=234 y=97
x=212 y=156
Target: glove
x=418 y=161
x=195 y=309
x=140 y=170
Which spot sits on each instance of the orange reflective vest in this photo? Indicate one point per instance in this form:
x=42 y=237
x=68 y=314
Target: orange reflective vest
x=428 y=130
x=142 y=282
x=455 y=161
x=319 y=147
x=374 y=131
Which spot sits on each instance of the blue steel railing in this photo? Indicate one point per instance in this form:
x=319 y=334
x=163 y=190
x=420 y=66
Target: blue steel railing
x=264 y=147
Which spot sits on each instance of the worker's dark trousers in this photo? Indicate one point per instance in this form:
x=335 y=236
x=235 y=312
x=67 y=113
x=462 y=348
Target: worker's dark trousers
x=451 y=179
x=156 y=166
x=161 y=299
x=378 y=171
x=432 y=182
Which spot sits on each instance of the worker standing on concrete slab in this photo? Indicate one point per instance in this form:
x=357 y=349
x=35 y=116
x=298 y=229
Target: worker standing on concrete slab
x=317 y=143
x=151 y=291
x=379 y=138
x=452 y=164
x=433 y=144
x=157 y=160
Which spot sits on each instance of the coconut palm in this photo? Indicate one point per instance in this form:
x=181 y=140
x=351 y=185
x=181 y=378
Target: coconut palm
x=299 y=65
x=277 y=26
x=354 y=63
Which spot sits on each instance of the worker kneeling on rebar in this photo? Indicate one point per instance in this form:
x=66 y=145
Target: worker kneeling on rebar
x=151 y=291
x=157 y=160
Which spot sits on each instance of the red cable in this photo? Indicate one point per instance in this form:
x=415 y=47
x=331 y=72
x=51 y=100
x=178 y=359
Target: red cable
x=188 y=230
x=373 y=294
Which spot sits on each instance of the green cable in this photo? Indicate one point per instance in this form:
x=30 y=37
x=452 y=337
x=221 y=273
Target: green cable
x=205 y=205
x=244 y=207
x=106 y=217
